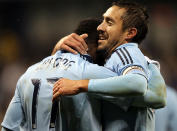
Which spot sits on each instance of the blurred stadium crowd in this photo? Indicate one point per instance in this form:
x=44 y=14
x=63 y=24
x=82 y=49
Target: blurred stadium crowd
x=30 y=29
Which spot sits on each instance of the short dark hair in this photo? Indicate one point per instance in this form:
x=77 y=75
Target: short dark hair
x=135 y=16
x=89 y=26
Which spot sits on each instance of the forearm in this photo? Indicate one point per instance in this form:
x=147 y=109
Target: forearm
x=129 y=85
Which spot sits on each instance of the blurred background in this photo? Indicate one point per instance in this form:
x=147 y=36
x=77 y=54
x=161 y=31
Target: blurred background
x=30 y=29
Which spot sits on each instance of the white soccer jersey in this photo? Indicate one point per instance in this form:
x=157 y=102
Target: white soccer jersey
x=123 y=116
x=31 y=107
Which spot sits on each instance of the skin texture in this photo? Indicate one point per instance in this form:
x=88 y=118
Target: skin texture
x=111 y=28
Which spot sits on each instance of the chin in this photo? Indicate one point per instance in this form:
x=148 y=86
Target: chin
x=101 y=47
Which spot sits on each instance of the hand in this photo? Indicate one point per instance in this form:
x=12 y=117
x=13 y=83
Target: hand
x=71 y=42
x=69 y=87
x=65 y=87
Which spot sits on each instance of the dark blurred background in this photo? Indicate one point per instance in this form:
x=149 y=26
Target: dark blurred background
x=30 y=29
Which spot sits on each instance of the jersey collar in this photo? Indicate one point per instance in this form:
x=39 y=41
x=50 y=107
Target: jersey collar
x=87 y=57
x=127 y=44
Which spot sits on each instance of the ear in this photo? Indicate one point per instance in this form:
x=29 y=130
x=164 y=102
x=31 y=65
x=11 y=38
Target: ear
x=131 y=33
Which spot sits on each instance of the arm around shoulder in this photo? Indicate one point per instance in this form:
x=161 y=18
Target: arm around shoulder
x=127 y=85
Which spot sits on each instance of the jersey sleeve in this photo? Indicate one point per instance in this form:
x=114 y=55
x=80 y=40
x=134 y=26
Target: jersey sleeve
x=128 y=60
x=94 y=71
x=14 y=114
x=98 y=73
x=114 y=87
x=129 y=85
x=155 y=96
x=124 y=61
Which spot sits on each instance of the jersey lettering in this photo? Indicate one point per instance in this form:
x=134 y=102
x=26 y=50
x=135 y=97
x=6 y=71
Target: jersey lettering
x=59 y=62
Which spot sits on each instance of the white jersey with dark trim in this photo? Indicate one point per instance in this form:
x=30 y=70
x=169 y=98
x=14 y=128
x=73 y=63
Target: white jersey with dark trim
x=127 y=58
x=31 y=107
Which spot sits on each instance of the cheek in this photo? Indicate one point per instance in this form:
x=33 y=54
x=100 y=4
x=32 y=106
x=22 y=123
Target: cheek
x=113 y=35
x=112 y=31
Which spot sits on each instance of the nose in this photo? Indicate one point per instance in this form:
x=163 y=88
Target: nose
x=101 y=27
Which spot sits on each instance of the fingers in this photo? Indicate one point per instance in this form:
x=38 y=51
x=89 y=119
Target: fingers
x=76 y=45
x=56 y=89
x=84 y=44
x=84 y=36
x=69 y=49
x=81 y=40
x=73 y=43
x=55 y=92
x=56 y=95
x=56 y=86
x=79 y=47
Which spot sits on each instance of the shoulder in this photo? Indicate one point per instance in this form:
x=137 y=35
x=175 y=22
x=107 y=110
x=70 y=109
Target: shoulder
x=125 y=56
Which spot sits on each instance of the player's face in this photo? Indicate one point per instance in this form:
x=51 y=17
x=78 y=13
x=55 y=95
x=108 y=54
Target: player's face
x=110 y=30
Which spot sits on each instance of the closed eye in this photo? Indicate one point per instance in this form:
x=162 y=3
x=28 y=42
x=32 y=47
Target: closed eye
x=109 y=21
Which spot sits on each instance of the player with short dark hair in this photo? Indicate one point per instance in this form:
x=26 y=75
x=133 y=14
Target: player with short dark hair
x=135 y=16
x=126 y=59
x=31 y=107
